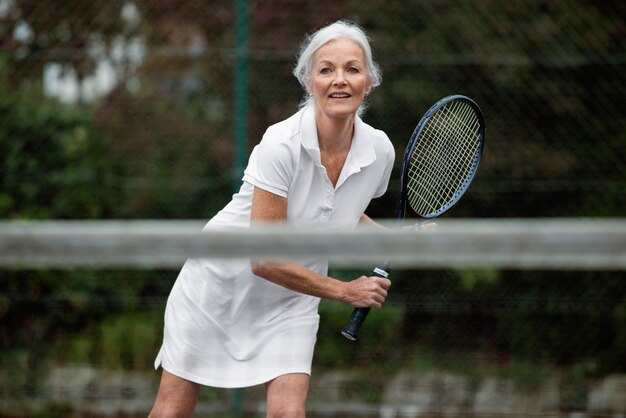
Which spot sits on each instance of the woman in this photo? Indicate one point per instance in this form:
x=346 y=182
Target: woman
x=237 y=323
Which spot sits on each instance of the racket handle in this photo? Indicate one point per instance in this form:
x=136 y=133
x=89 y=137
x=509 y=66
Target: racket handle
x=352 y=327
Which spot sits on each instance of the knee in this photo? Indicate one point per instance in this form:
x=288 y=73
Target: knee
x=167 y=412
x=159 y=413
x=287 y=411
x=176 y=398
x=168 y=407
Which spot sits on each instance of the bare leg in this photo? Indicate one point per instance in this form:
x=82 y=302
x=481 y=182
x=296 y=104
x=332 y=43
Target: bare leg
x=177 y=397
x=286 y=396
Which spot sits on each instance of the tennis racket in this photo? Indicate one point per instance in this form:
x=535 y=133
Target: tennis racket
x=439 y=164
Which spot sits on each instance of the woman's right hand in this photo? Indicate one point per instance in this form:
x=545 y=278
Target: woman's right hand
x=367 y=292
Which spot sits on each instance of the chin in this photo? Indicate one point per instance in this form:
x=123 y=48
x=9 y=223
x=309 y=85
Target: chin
x=343 y=112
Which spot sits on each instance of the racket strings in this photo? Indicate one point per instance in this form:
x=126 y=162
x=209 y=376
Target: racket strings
x=443 y=157
x=458 y=151
x=440 y=169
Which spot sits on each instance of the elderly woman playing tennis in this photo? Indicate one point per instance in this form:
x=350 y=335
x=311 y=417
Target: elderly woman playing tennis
x=238 y=323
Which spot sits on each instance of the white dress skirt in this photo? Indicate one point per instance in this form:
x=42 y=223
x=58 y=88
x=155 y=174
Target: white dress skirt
x=228 y=328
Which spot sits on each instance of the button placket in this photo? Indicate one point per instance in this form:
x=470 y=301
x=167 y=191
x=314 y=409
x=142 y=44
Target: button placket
x=328 y=199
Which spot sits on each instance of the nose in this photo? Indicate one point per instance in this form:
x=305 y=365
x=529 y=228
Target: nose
x=339 y=77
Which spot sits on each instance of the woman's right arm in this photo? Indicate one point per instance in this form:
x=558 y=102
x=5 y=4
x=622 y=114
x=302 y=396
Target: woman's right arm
x=362 y=292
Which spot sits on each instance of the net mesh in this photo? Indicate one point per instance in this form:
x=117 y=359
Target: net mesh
x=444 y=158
x=502 y=313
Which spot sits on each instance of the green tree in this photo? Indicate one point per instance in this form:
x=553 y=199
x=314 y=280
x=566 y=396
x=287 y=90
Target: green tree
x=53 y=163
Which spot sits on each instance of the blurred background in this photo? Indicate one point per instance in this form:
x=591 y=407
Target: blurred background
x=123 y=109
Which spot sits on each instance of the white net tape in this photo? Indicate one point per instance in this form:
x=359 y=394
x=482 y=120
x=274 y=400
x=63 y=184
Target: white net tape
x=584 y=244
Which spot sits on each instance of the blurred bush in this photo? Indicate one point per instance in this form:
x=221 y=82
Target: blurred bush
x=54 y=162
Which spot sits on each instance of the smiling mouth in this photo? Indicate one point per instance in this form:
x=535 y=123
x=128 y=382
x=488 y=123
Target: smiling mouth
x=340 y=96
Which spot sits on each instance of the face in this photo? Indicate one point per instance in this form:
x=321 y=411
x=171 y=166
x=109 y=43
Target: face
x=339 y=78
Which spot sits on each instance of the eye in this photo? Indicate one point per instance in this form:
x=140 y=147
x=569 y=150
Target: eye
x=354 y=70
x=325 y=70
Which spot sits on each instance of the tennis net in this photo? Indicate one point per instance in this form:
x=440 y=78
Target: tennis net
x=520 y=243
x=486 y=317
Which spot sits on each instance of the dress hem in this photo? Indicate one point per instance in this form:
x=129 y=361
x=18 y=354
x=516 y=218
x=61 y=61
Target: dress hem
x=231 y=385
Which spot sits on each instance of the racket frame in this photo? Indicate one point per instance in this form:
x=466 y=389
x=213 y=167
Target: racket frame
x=351 y=328
x=413 y=142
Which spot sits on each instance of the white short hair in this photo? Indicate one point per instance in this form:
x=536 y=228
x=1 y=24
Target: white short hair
x=341 y=29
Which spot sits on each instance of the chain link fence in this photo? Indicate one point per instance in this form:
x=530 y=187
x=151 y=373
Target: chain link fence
x=148 y=109
x=159 y=79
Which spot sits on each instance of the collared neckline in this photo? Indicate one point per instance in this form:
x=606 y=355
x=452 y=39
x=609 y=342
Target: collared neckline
x=361 y=152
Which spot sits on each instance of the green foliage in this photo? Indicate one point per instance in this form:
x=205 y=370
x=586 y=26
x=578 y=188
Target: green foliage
x=125 y=341
x=54 y=410
x=574 y=385
x=542 y=316
x=49 y=306
x=372 y=347
x=525 y=374
x=472 y=279
x=563 y=317
x=53 y=163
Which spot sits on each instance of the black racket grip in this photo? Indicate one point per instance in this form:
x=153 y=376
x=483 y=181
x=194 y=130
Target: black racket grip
x=352 y=327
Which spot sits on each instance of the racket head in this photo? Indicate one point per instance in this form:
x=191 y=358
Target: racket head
x=442 y=157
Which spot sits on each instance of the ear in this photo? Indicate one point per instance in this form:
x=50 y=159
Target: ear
x=368 y=86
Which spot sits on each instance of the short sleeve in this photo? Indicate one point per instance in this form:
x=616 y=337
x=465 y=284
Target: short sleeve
x=389 y=155
x=270 y=166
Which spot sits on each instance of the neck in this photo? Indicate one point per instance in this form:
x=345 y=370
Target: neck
x=334 y=134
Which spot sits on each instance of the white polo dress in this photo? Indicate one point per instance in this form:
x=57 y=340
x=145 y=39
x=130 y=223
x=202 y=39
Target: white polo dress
x=226 y=327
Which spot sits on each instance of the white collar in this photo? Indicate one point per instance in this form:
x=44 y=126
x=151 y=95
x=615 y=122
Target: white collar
x=361 y=152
